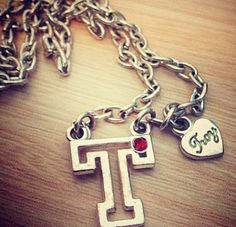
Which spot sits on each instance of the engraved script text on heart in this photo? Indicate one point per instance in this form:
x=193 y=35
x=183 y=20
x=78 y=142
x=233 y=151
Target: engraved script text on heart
x=195 y=142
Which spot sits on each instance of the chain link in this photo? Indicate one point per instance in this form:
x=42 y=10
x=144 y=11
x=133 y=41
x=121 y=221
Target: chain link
x=15 y=71
x=52 y=19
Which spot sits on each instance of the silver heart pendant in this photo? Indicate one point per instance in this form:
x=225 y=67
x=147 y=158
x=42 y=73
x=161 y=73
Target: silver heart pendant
x=202 y=140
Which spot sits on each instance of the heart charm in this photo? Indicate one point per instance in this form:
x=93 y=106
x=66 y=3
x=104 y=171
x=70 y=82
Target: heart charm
x=202 y=141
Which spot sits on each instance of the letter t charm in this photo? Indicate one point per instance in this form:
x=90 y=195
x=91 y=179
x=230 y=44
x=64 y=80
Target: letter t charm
x=137 y=148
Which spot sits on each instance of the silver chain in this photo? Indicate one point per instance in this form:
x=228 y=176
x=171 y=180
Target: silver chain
x=52 y=18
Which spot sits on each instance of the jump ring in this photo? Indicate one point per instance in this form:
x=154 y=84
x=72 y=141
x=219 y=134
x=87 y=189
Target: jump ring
x=83 y=133
x=81 y=121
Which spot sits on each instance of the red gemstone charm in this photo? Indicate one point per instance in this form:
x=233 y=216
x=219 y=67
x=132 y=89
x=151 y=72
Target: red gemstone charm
x=140 y=144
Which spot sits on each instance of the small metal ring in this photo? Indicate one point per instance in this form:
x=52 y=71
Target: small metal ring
x=182 y=130
x=127 y=110
x=150 y=94
x=137 y=130
x=73 y=135
x=138 y=99
x=98 y=31
x=112 y=118
x=145 y=113
x=198 y=109
x=81 y=121
x=168 y=118
x=98 y=113
x=194 y=77
x=180 y=109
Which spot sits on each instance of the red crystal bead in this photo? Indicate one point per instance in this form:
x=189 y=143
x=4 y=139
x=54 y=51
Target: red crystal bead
x=140 y=144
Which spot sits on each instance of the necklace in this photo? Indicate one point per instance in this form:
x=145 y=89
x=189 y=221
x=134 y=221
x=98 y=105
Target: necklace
x=199 y=140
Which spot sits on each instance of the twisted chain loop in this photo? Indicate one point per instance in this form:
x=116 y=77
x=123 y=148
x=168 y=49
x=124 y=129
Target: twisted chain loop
x=52 y=18
x=15 y=71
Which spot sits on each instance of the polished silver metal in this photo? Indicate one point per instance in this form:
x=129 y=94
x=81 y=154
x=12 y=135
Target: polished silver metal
x=51 y=19
x=139 y=128
x=97 y=153
x=202 y=140
x=141 y=125
x=84 y=133
x=21 y=67
x=85 y=119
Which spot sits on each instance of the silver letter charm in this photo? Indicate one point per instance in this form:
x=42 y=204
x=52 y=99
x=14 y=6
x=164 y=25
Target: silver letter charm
x=137 y=148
